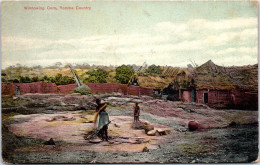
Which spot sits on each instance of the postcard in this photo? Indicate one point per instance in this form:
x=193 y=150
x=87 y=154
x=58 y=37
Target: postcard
x=129 y=82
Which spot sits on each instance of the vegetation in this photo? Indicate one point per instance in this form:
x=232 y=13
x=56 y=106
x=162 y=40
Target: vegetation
x=58 y=79
x=123 y=74
x=3 y=80
x=96 y=76
x=63 y=80
x=154 y=69
x=25 y=79
x=83 y=90
x=208 y=75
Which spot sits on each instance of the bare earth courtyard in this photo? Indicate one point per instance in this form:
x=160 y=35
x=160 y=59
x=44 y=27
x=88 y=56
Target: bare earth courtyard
x=31 y=120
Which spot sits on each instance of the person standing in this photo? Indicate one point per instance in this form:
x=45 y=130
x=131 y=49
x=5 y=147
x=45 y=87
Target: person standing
x=102 y=119
x=136 y=111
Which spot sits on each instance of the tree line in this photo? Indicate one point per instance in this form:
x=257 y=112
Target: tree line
x=57 y=79
x=96 y=75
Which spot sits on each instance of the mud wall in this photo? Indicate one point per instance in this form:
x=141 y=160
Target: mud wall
x=238 y=99
x=42 y=87
x=216 y=98
x=48 y=88
x=8 y=89
x=64 y=89
x=107 y=88
x=186 y=96
x=146 y=91
x=36 y=87
x=245 y=99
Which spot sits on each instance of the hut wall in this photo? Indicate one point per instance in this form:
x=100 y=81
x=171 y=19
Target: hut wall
x=244 y=99
x=199 y=94
x=186 y=96
x=237 y=99
x=252 y=100
x=216 y=98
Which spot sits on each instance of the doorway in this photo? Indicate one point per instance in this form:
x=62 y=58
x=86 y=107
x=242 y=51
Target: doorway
x=193 y=95
x=205 y=98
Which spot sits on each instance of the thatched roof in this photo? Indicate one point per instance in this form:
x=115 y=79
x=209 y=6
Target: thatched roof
x=169 y=75
x=206 y=76
x=155 y=82
x=212 y=76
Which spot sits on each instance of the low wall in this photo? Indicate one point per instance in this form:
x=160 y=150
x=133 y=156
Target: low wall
x=42 y=87
x=108 y=88
x=36 y=87
x=64 y=89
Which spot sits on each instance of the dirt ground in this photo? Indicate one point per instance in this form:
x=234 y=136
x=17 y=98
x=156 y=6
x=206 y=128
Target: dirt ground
x=30 y=120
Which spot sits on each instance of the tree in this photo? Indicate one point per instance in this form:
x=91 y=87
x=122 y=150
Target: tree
x=22 y=79
x=123 y=74
x=154 y=69
x=46 y=79
x=35 y=79
x=37 y=67
x=18 y=65
x=97 y=76
x=58 y=78
x=52 y=80
x=67 y=80
x=58 y=64
x=15 y=81
x=3 y=80
x=25 y=79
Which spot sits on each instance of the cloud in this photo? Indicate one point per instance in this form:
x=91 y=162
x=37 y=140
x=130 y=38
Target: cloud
x=20 y=43
x=240 y=50
x=167 y=43
x=242 y=60
x=203 y=24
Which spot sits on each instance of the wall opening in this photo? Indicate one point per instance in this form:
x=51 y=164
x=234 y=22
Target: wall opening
x=205 y=98
x=193 y=95
x=17 y=91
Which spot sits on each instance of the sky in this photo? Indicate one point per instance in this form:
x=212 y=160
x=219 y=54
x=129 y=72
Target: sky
x=164 y=33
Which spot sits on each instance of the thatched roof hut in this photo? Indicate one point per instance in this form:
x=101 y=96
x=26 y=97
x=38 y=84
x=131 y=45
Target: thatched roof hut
x=212 y=76
x=206 y=76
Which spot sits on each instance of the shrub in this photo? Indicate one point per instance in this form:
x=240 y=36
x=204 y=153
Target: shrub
x=154 y=69
x=97 y=76
x=123 y=74
x=83 y=90
x=25 y=79
x=60 y=80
